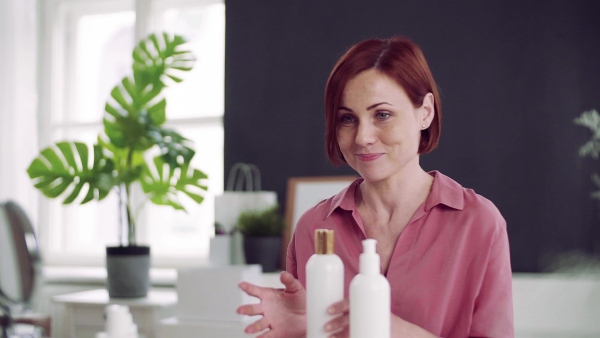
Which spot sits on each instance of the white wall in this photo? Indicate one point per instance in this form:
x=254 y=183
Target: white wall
x=557 y=305
x=18 y=128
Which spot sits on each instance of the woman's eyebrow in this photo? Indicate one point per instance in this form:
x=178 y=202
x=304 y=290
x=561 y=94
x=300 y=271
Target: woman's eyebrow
x=368 y=108
x=376 y=105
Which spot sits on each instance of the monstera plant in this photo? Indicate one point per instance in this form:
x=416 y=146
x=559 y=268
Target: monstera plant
x=134 y=146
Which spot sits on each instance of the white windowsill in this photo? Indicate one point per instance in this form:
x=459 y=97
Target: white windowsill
x=97 y=276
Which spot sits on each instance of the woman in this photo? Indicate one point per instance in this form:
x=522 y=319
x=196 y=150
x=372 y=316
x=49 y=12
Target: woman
x=443 y=248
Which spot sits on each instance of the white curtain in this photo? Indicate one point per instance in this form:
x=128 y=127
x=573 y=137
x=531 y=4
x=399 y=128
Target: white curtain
x=18 y=126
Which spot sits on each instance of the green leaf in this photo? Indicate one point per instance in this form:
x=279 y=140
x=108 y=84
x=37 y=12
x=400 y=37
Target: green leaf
x=163 y=183
x=158 y=112
x=63 y=170
x=65 y=148
x=82 y=151
x=161 y=57
x=175 y=149
x=129 y=120
x=136 y=106
x=76 y=190
x=55 y=162
x=266 y=222
x=117 y=94
x=174 y=78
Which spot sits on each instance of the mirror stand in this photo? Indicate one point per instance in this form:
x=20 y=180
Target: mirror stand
x=18 y=271
x=5 y=322
x=14 y=328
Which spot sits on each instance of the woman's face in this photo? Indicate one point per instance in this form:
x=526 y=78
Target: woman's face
x=378 y=128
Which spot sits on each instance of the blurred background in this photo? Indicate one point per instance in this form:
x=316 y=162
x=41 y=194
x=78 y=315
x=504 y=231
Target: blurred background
x=513 y=76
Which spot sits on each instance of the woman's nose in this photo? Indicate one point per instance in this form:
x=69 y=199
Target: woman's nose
x=365 y=134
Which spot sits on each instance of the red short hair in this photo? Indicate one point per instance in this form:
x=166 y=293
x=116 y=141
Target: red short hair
x=400 y=59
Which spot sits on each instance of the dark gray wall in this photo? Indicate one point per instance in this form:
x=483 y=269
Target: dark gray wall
x=513 y=75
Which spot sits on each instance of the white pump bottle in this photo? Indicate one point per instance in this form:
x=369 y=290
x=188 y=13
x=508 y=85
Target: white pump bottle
x=370 y=297
x=324 y=284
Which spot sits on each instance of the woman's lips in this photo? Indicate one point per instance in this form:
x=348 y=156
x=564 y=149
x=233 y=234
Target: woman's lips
x=368 y=157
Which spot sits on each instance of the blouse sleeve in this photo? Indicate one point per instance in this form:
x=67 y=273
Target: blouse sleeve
x=493 y=311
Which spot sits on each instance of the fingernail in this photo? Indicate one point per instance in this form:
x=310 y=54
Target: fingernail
x=328 y=328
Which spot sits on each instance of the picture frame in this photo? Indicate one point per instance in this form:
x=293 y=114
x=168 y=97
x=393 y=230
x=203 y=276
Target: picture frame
x=303 y=193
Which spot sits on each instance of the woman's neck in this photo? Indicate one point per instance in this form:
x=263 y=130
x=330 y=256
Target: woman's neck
x=397 y=191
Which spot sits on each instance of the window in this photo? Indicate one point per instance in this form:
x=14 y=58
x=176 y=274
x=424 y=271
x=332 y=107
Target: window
x=85 y=50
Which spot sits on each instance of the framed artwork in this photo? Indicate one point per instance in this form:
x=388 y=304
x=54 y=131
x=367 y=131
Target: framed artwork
x=302 y=194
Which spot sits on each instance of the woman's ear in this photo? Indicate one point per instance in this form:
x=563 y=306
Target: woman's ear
x=428 y=109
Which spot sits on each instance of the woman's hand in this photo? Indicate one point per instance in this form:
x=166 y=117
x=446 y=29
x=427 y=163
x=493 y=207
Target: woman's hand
x=340 y=325
x=283 y=311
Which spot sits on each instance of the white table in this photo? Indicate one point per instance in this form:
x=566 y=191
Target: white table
x=208 y=302
x=81 y=314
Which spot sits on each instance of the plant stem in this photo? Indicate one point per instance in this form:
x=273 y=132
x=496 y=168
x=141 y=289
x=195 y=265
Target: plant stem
x=121 y=204
x=130 y=220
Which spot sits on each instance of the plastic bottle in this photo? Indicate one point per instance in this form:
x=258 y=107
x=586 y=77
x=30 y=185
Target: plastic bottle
x=324 y=283
x=370 y=305
x=119 y=323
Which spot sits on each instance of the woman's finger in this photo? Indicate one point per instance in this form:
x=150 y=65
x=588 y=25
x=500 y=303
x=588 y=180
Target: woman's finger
x=250 y=309
x=290 y=282
x=270 y=334
x=339 y=322
x=252 y=290
x=339 y=307
x=345 y=333
x=257 y=326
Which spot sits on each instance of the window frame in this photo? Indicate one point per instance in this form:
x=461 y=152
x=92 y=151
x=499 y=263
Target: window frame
x=55 y=52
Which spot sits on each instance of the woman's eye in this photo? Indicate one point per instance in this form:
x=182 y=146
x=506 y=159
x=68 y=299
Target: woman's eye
x=382 y=115
x=347 y=119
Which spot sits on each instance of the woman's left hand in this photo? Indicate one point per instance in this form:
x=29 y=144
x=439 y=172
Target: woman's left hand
x=340 y=325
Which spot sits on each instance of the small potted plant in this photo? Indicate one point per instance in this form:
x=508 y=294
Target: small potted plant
x=590 y=119
x=134 y=149
x=262 y=231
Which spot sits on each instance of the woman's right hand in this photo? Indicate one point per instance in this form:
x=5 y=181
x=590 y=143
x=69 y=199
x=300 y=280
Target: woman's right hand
x=283 y=311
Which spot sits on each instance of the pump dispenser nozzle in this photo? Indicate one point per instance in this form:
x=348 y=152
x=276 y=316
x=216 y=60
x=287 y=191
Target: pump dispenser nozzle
x=369 y=246
x=369 y=259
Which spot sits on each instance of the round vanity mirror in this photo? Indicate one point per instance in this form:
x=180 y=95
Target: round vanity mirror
x=20 y=256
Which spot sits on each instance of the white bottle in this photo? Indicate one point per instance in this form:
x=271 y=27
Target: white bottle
x=119 y=323
x=324 y=284
x=370 y=305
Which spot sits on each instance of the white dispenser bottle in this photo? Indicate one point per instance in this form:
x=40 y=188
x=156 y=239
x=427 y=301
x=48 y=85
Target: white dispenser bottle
x=370 y=304
x=324 y=284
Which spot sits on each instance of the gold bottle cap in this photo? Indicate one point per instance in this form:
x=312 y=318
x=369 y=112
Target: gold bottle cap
x=323 y=242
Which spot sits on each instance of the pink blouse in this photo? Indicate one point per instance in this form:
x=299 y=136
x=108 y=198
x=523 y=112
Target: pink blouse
x=450 y=270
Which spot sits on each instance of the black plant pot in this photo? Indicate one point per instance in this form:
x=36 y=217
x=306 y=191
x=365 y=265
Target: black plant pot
x=128 y=271
x=263 y=250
